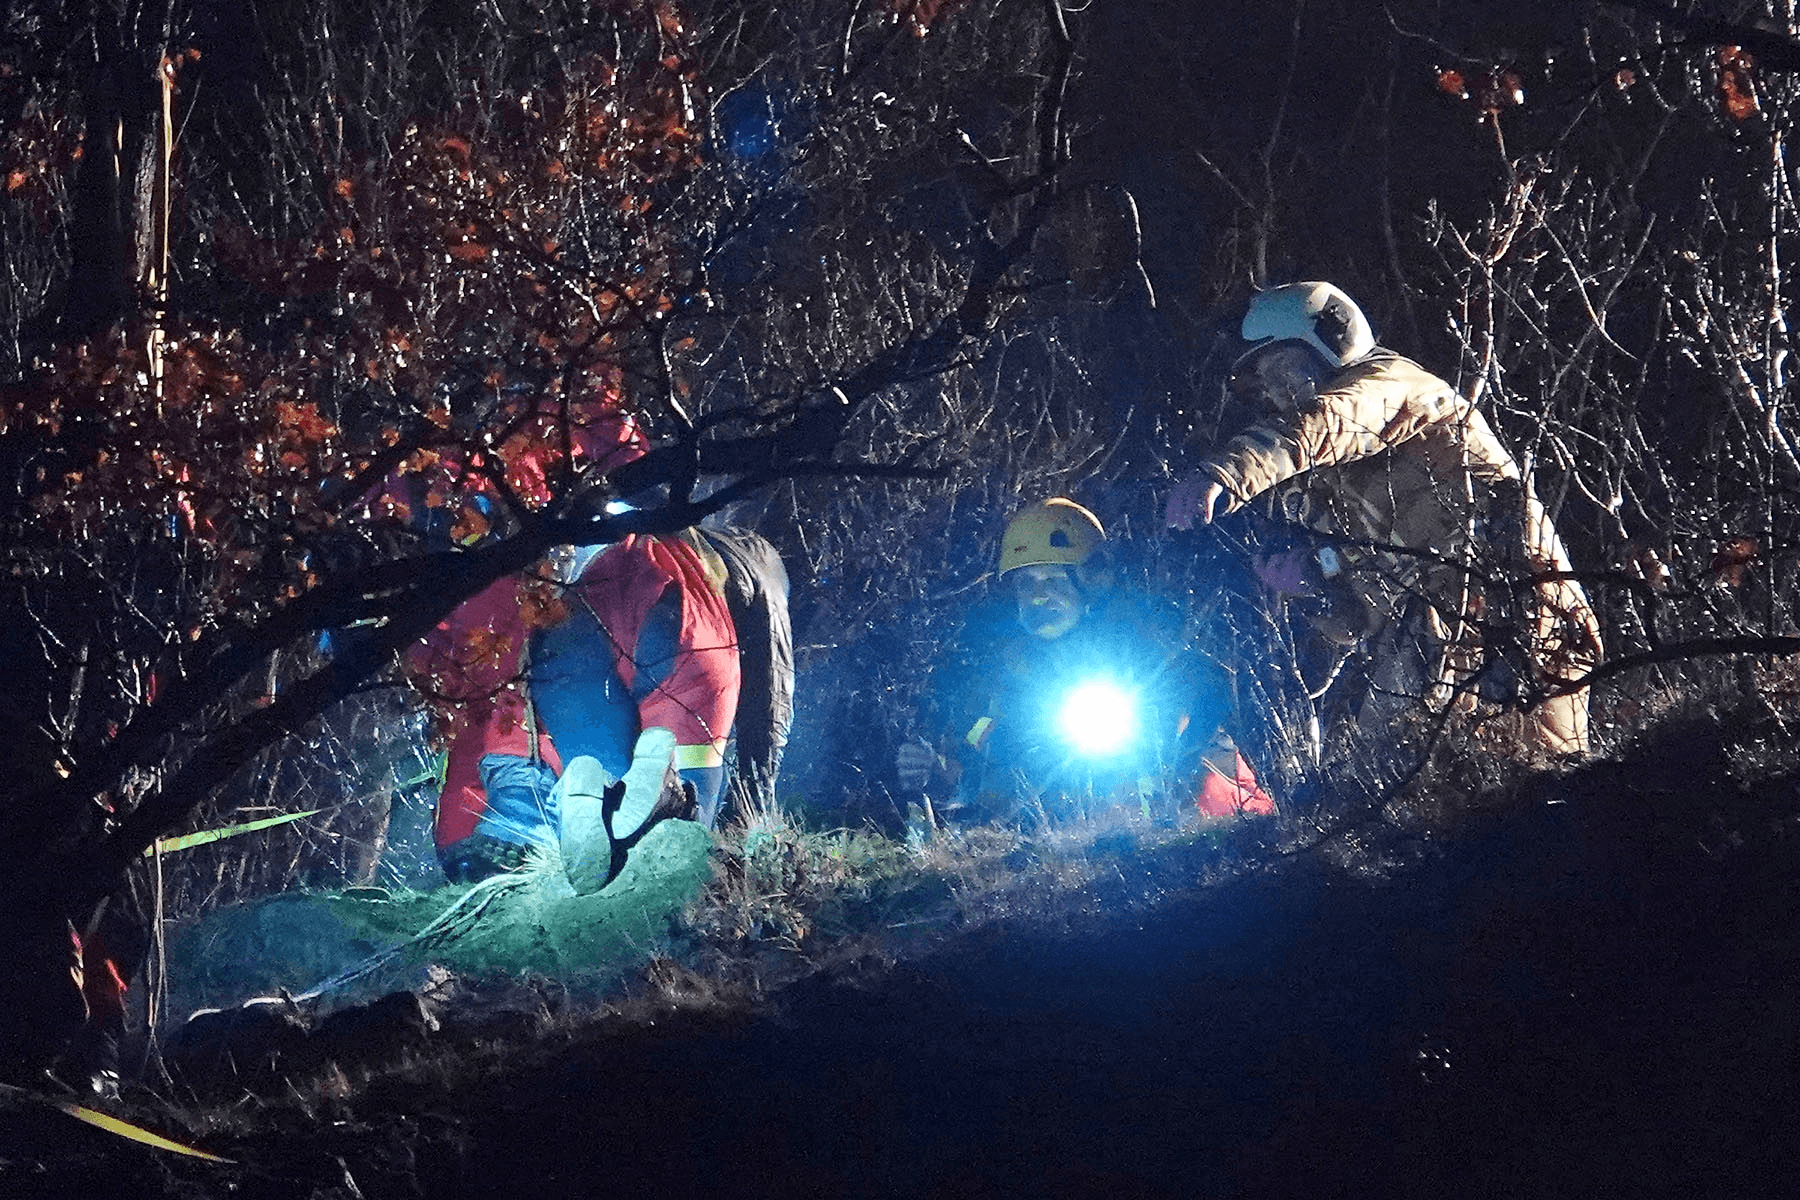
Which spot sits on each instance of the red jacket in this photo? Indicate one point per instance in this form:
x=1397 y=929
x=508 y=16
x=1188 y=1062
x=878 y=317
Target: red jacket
x=472 y=667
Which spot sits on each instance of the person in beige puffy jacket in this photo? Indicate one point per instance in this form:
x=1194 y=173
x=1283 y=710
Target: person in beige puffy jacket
x=1405 y=480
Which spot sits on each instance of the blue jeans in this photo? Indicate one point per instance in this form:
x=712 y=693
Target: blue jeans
x=521 y=800
x=586 y=707
x=521 y=814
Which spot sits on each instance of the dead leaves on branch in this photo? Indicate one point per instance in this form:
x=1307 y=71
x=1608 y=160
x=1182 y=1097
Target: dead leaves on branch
x=542 y=603
x=475 y=284
x=221 y=444
x=919 y=17
x=1489 y=92
x=38 y=157
x=1737 y=82
x=1497 y=89
x=457 y=230
x=1732 y=563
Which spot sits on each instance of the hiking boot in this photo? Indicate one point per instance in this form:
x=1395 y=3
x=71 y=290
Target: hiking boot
x=100 y=1064
x=479 y=856
x=587 y=847
x=645 y=781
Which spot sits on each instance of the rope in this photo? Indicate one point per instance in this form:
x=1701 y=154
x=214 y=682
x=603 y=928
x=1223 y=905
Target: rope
x=451 y=925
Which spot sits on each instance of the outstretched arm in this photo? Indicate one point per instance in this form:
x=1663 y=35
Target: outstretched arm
x=1367 y=408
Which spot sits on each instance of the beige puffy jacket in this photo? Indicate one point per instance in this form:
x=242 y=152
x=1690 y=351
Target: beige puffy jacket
x=1404 y=451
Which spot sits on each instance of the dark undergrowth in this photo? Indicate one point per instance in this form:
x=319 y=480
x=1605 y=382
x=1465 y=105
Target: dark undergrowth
x=1581 y=983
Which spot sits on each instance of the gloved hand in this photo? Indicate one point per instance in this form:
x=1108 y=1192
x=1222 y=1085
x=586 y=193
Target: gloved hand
x=1286 y=573
x=1194 y=496
x=914 y=763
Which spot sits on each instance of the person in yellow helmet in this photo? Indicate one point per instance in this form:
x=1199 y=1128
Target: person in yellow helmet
x=1068 y=694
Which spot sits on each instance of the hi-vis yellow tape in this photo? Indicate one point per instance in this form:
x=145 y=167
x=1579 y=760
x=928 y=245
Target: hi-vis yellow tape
x=136 y=1133
x=189 y=840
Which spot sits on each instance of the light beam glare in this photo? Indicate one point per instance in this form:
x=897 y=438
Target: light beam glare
x=1099 y=717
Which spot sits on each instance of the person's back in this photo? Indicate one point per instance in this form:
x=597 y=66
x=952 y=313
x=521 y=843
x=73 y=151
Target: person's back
x=1376 y=450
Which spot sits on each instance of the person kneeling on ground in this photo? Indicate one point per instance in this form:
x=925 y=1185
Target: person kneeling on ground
x=589 y=699
x=1377 y=461
x=1073 y=694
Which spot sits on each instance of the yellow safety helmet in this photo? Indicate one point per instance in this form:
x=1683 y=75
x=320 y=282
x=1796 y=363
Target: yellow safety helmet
x=1054 y=532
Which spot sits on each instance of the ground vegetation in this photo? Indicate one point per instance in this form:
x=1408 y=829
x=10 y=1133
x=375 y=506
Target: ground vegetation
x=290 y=385
x=872 y=274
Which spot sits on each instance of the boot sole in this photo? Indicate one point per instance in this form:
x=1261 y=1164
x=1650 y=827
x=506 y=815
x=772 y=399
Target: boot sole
x=587 y=846
x=644 y=781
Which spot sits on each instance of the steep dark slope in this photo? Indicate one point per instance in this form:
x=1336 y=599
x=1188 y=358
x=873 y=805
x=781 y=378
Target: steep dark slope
x=1588 y=990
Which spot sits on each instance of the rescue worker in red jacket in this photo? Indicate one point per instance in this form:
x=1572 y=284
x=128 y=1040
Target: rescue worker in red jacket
x=1071 y=694
x=615 y=664
x=1368 y=449
x=583 y=699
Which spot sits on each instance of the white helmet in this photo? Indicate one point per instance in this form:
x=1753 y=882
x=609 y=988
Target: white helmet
x=1316 y=313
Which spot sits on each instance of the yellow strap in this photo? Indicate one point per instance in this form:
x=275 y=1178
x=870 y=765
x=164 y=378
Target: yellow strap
x=136 y=1133
x=170 y=844
x=978 y=732
x=707 y=754
x=711 y=562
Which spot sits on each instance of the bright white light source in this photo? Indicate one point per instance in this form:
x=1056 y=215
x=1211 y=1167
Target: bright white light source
x=1099 y=717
